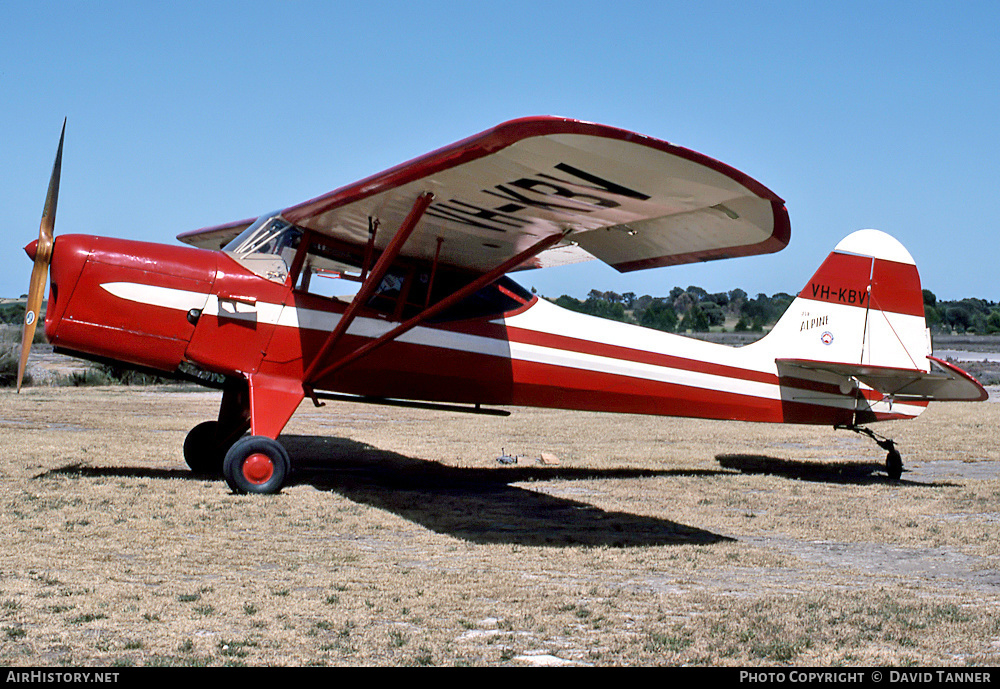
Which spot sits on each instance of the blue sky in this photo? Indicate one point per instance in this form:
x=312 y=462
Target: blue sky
x=183 y=115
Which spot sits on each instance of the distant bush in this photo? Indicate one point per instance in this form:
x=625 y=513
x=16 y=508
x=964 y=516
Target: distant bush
x=123 y=375
x=713 y=311
x=695 y=320
x=111 y=374
x=12 y=312
x=595 y=306
x=763 y=309
x=94 y=374
x=106 y=374
x=86 y=378
x=9 y=358
x=993 y=323
x=659 y=315
x=11 y=334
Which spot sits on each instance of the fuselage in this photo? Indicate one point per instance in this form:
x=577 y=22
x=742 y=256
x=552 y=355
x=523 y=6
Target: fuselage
x=165 y=307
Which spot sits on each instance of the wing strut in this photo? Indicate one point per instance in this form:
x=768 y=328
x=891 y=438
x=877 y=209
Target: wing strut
x=430 y=312
x=372 y=280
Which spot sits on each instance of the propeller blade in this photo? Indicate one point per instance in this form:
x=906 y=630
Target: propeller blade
x=52 y=197
x=43 y=256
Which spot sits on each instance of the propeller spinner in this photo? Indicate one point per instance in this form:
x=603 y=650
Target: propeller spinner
x=42 y=256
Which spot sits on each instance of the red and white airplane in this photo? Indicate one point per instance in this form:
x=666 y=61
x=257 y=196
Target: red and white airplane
x=435 y=322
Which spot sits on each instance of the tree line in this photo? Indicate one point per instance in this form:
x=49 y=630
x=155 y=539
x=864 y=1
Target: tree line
x=962 y=316
x=696 y=310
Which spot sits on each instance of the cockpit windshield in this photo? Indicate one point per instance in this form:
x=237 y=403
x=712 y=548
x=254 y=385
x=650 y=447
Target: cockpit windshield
x=268 y=235
x=267 y=247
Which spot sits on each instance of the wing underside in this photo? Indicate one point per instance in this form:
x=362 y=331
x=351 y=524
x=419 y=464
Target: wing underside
x=628 y=200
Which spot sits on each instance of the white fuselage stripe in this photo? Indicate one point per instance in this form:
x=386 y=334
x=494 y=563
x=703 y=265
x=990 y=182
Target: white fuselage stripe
x=551 y=320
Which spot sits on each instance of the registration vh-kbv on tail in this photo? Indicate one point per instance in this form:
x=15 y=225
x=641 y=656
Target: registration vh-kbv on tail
x=436 y=322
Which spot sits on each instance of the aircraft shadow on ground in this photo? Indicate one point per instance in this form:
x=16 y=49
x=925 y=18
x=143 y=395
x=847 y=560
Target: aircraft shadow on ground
x=476 y=505
x=480 y=504
x=824 y=472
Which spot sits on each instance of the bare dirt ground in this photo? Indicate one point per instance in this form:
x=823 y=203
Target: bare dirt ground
x=402 y=541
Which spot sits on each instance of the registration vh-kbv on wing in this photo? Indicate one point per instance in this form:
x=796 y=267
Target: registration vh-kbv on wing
x=436 y=322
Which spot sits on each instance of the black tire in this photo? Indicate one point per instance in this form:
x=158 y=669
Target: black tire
x=256 y=464
x=202 y=451
x=894 y=464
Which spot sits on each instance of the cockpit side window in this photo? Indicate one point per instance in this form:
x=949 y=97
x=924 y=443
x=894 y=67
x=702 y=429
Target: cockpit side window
x=335 y=270
x=491 y=301
x=329 y=271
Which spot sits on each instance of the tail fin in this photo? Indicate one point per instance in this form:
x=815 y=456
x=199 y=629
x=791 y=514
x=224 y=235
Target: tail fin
x=861 y=318
x=864 y=306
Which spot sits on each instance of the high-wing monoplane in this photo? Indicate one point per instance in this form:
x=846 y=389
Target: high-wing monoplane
x=434 y=320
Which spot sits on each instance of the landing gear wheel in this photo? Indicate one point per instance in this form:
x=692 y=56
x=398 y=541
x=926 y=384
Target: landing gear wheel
x=256 y=464
x=894 y=464
x=202 y=451
x=893 y=460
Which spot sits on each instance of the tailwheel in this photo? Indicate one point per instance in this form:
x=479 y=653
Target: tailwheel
x=894 y=464
x=256 y=464
x=893 y=460
x=203 y=451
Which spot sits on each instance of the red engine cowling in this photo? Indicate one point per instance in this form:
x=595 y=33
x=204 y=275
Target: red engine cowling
x=126 y=300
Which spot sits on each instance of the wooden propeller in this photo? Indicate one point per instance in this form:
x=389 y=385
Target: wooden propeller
x=42 y=257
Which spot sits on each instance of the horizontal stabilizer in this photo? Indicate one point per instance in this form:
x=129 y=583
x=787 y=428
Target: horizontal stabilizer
x=943 y=383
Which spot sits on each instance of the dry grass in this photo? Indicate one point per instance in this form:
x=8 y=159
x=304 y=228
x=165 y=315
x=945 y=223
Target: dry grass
x=404 y=542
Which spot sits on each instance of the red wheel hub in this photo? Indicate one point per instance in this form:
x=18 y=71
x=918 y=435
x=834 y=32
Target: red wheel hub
x=258 y=468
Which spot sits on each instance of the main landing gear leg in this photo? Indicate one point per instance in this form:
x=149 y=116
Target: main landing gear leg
x=893 y=460
x=206 y=444
x=257 y=463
